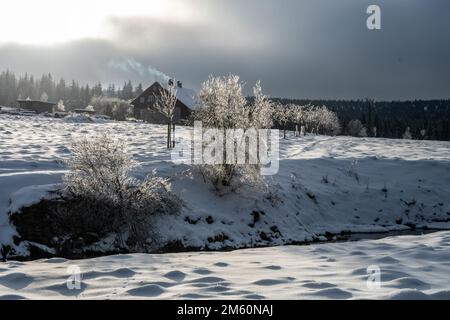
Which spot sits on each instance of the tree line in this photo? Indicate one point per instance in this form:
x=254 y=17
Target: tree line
x=417 y=119
x=73 y=94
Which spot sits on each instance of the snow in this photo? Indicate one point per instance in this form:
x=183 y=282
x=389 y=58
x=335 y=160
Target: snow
x=411 y=267
x=325 y=184
x=30 y=195
x=187 y=96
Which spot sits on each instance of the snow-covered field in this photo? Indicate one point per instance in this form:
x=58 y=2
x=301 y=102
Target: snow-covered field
x=411 y=267
x=325 y=185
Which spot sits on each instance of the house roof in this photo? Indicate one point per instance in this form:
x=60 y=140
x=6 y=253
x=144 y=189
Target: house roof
x=37 y=101
x=187 y=96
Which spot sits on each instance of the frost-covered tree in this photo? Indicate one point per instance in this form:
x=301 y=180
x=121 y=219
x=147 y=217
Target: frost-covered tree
x=44 y=96
x=423 y=133
x=327 y=121
x=113 y=107
x=283 y=115
x=407 y=134
x=320 y=120
x=363 y=132
x=165 y=102
x=260 y=110
x=356 y=129
x=223 y=106
x=60 y=106
x=299 y=114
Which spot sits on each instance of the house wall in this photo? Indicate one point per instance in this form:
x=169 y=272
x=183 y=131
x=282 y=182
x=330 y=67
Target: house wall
x=36 y=106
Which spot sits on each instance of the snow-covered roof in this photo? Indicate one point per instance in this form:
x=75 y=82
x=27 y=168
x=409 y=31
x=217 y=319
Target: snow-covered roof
x=187 y=96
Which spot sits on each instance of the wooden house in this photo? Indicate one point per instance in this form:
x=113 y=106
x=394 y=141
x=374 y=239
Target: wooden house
x=36 y=105
x=144 y=104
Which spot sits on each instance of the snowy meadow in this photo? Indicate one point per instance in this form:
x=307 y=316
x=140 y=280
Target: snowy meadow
x=326 y=188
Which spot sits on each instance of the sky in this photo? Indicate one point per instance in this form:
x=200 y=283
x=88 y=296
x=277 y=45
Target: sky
x=297 y=48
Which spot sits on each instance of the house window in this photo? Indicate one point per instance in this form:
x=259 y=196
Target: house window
x=142 y=99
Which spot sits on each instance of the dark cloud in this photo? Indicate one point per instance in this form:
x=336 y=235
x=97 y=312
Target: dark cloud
x=314 y=48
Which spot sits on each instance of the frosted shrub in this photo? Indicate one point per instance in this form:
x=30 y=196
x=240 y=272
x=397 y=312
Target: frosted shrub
x=60 y=106
x=283 y=115
x=115 y=108
x=99 y=176
x=356 y=129
x=308 y=118
x=321 y=120
x=407 y=134
x=222 y=105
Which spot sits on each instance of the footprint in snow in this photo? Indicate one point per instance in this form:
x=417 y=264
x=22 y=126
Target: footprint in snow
x=318 y=285
x=16 y=280
x=272 y=267
x=333 y=293
x=269 y=282
x=208 y=280
x=175 y=275
x=221 y=264
x=11 y=297
x=201 y=271
x=150 y=290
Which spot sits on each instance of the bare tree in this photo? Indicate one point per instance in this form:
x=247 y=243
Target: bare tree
x=165 y=102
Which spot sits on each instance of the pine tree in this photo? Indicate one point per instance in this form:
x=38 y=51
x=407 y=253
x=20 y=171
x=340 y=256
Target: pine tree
x=138 y=90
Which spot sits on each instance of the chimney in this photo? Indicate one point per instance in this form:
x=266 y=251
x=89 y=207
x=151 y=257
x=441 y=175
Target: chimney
x=179 y=84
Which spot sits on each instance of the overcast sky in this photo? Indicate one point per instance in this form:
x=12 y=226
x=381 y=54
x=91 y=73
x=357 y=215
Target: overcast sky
x=297 y=48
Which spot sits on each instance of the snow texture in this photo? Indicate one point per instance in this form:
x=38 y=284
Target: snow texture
x=412 y=267
x=325 y=184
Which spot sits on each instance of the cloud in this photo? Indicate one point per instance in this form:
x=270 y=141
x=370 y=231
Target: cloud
x=310 y=49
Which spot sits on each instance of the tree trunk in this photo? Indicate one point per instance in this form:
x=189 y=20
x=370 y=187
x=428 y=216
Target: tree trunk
x=173 y=134
x=168 y=136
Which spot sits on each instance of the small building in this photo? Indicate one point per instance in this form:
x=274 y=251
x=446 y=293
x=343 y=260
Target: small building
x=84 y=111
x=37 y=106
x=144 y=105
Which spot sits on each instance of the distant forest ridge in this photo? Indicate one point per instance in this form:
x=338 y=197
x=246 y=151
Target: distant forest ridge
x=426 y=119
x=72 y=93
